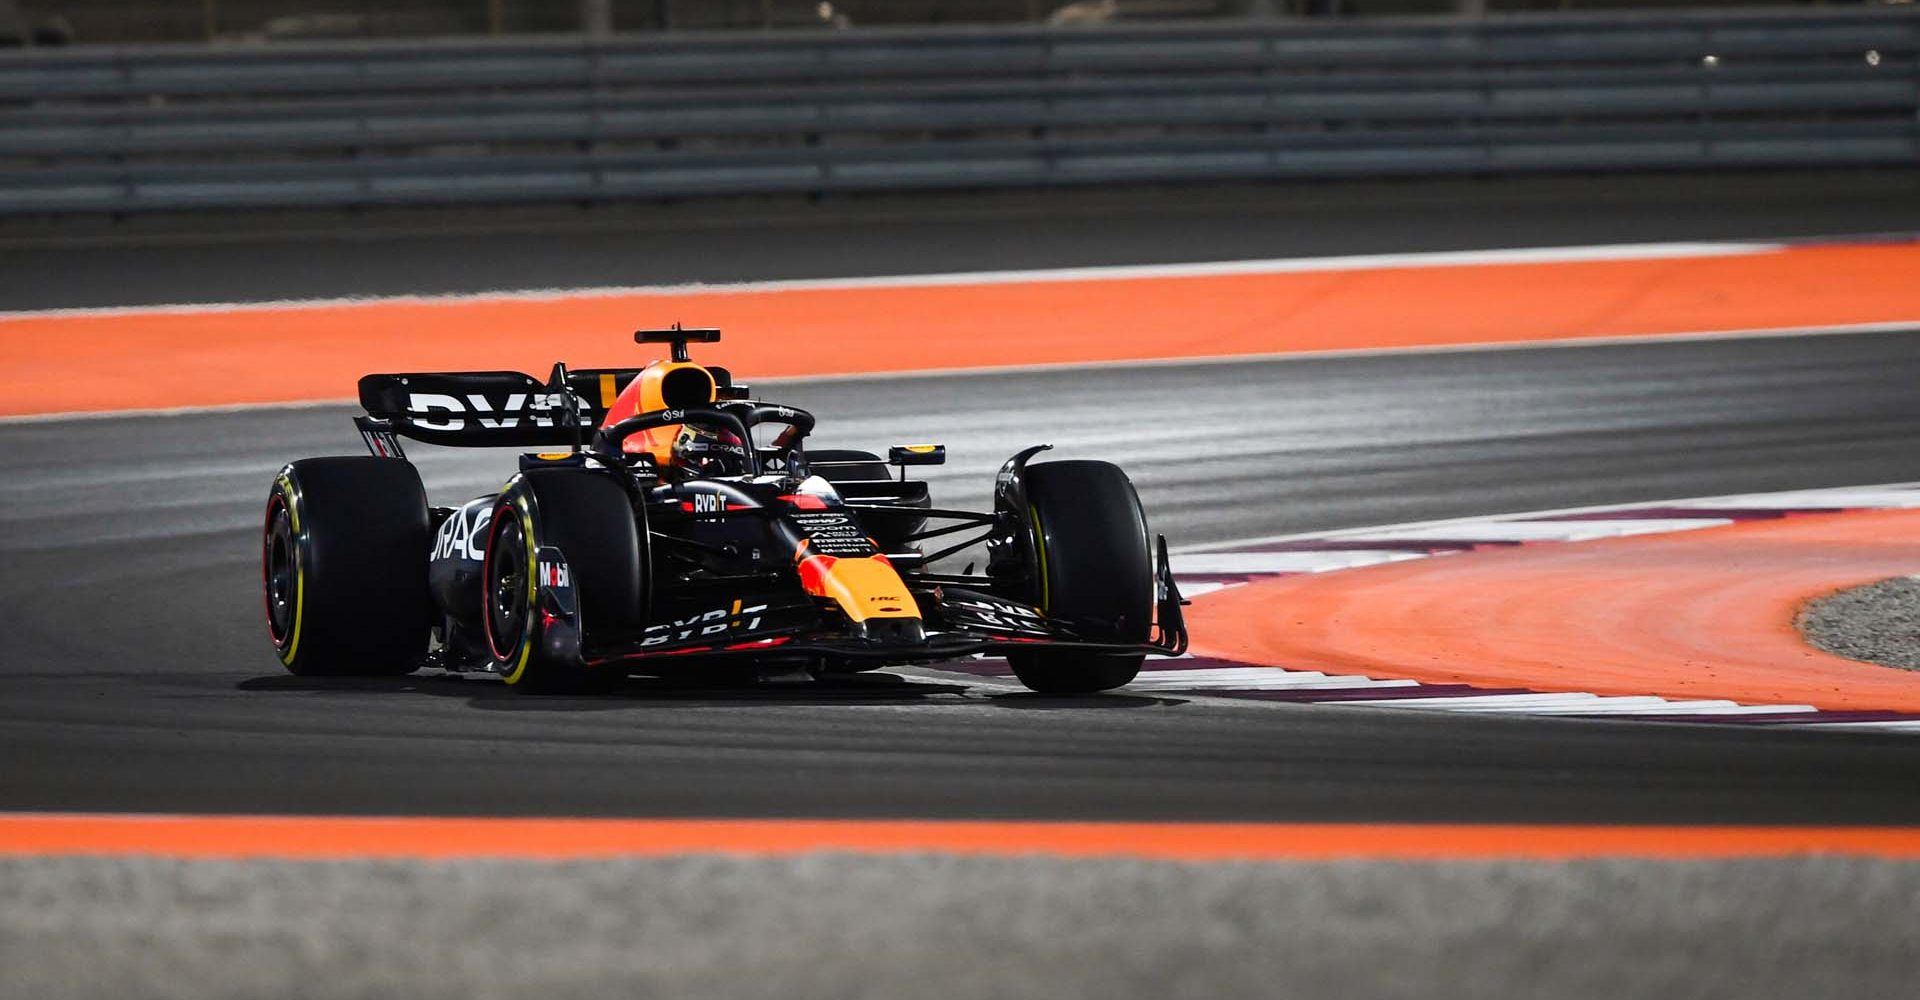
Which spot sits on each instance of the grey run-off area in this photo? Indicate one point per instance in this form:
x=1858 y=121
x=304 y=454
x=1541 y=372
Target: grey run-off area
x=1878 y=623
x=842 y=927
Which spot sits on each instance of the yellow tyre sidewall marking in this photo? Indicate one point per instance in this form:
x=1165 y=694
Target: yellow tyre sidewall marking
x=522 y=511
x=1040 y=550
x=291 y=498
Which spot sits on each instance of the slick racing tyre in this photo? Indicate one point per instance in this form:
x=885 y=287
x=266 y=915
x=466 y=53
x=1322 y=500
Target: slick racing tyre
x=344 y=567
x=587 y=517
x=1093 y=570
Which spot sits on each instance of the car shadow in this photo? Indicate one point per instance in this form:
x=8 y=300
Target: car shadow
x=485 y=691
x=1035 y=702
x=1019 y=698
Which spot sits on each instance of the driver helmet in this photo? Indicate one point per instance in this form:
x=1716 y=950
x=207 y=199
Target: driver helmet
x=704 y=451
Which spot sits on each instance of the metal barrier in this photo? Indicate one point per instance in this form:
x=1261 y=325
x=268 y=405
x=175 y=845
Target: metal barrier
x=131 y=129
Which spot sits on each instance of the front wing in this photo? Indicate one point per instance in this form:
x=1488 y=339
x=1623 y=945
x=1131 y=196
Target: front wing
x=959 y=621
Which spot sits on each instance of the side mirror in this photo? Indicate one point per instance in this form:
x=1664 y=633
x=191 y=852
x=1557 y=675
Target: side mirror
x=917 y=454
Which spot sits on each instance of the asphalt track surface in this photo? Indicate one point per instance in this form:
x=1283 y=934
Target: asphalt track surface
x=138 y=678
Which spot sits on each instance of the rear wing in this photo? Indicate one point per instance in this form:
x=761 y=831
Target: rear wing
x=497 y=409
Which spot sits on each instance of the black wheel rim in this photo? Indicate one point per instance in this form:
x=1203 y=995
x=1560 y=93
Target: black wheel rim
x=506 y=586
x=281 y=576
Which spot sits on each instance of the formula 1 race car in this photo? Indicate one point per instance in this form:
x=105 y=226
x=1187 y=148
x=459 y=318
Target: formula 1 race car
x=676 y=526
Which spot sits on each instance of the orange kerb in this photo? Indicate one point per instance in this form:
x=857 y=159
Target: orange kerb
x=1695 y=614
x=312 y=838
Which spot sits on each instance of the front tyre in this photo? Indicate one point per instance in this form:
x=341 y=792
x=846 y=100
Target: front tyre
x=344 y=567
x=587 y=516
x=1093 y=571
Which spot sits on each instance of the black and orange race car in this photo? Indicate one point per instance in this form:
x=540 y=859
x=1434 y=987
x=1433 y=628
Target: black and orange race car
x=676 y=526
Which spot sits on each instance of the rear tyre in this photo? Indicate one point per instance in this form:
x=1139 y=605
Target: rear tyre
x=587 y=516
x=1093 y=568
x=344 y=567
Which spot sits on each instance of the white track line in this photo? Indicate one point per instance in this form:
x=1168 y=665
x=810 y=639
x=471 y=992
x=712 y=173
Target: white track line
x=1469 y=703
x=1855 y=497
x=1541 y=531
x=1722 y=707
x=1898 y=494
x=1258 y=679
x=1285 y=562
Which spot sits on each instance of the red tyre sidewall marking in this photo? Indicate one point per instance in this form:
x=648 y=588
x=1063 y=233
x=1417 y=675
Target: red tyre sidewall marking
x=275 y=503
x=504 y=509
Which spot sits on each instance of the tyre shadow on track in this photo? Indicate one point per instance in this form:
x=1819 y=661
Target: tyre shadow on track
x=483 y=691
x=1032 y=702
